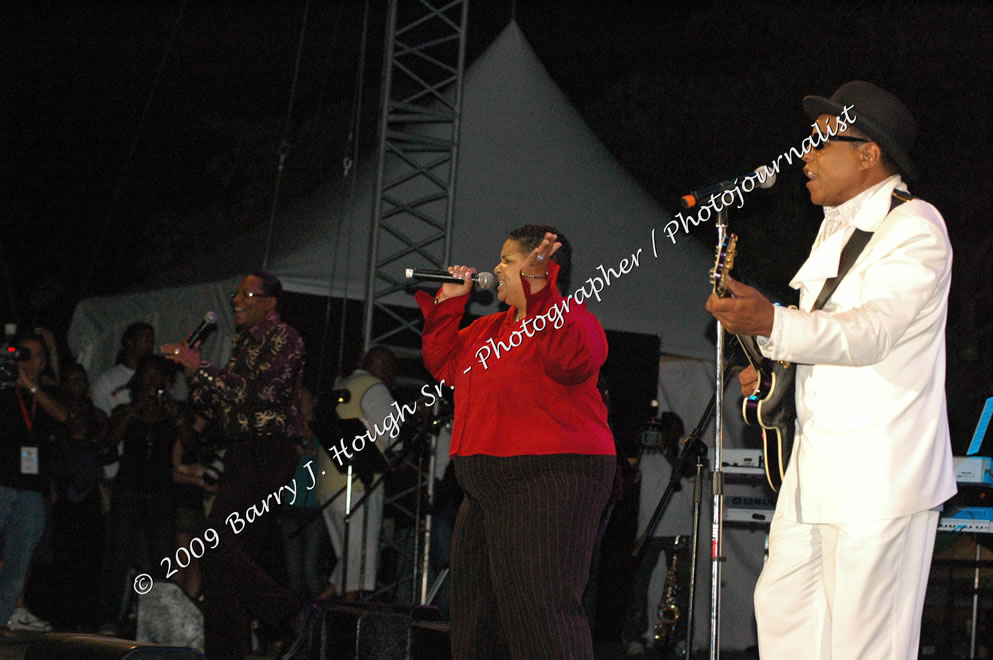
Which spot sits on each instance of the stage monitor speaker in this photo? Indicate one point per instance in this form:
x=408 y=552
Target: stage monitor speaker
x=72 y=646
x=365 y=632
x=167 y=616
x=429 y=640
x=376 y=631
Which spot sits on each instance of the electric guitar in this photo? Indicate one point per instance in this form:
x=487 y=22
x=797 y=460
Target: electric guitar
x=772 y=405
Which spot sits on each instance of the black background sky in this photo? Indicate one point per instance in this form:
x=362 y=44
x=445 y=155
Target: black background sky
x=683 y=94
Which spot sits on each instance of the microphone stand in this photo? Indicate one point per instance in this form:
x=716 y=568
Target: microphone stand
x=689 y=449
x=349 y=506
x=344 y=533
x=692 y=446
x=677 y=473
x=717 y=528
x=700 y=452
x=341 y=491
x=694 y=539
x=350 y=510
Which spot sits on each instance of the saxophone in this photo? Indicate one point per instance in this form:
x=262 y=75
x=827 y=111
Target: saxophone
x=665 y=628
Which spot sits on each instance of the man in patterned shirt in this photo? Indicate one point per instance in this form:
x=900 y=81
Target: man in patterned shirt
x=255 y=401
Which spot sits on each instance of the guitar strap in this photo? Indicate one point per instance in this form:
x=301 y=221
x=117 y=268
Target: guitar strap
x=853 y=248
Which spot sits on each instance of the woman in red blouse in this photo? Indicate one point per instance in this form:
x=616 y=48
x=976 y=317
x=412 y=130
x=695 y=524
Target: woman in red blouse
x=531 y=448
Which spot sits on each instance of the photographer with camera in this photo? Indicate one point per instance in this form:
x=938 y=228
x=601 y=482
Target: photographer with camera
x=144 y=496
x=30 y=419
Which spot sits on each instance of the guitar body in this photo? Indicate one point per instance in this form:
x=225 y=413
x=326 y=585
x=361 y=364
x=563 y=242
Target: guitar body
x=772 y=405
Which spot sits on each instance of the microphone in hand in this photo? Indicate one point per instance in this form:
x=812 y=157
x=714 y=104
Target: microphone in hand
x=482 y=280
x=200 y=332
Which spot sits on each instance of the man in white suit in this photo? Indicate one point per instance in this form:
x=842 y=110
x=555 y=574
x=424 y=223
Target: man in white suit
x=851 y=541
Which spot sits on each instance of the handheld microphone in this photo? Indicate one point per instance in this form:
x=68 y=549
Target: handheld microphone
x=201 y=331
x=764 y=178
x=482 y=280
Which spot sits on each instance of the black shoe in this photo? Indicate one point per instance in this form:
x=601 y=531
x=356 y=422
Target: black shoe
x=301 y=626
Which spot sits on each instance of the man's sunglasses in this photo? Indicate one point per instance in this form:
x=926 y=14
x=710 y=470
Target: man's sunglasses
x=839 y=138
x=249 y=294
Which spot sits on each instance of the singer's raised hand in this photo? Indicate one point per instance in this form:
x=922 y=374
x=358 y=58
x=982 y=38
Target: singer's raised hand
x=186 y=357
x=455 y=290
x=537 y=262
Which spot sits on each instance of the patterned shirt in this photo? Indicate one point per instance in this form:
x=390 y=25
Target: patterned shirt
x=258 y=393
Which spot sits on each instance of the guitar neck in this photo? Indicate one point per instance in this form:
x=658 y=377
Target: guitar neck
x=718 y=277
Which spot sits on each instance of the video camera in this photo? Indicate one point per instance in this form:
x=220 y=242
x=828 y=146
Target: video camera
x=10 y=355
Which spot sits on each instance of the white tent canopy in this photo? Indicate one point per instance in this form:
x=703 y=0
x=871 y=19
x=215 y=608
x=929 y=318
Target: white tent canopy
x=525 y=156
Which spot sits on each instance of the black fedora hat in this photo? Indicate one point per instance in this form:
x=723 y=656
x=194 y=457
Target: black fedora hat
x=878 y=114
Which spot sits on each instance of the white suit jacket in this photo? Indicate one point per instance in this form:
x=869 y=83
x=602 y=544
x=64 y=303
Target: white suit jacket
x=872 y=437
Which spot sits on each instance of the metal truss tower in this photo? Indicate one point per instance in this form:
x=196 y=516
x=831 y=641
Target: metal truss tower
x=418 y=149
x=412 y=213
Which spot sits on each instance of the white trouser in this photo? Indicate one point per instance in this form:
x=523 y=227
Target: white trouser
x=851 y=591
x=334 y=518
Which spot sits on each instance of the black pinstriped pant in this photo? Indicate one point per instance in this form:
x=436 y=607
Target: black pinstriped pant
x=521 y=554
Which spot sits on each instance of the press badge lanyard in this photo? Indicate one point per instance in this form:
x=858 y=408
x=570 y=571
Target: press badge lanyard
x=28 y=419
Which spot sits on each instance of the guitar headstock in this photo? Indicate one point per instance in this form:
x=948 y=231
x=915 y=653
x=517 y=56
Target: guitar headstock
x=723 y=264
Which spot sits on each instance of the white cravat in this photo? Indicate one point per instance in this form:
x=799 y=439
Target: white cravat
x=839 y=217
x=836 y=219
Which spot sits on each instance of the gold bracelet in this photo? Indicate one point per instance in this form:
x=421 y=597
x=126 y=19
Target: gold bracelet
x=535 y=277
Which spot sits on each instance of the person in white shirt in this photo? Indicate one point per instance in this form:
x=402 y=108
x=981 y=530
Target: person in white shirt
x=851 y=540
x=110 y=389
x=371 y=402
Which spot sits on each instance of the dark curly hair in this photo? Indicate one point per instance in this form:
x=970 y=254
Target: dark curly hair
x=271 y=286
x=530 y=237
x=150 y=362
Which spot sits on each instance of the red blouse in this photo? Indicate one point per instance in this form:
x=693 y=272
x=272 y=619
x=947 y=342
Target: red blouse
x=539 y=396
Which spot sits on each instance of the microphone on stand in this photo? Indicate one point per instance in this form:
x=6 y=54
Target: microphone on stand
x=482 y=280
x=201 y=331
x=764 y=178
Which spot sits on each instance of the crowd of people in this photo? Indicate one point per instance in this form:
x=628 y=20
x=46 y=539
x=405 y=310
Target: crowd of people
x=115 y=470
x=126 y=471
x=163 y=446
